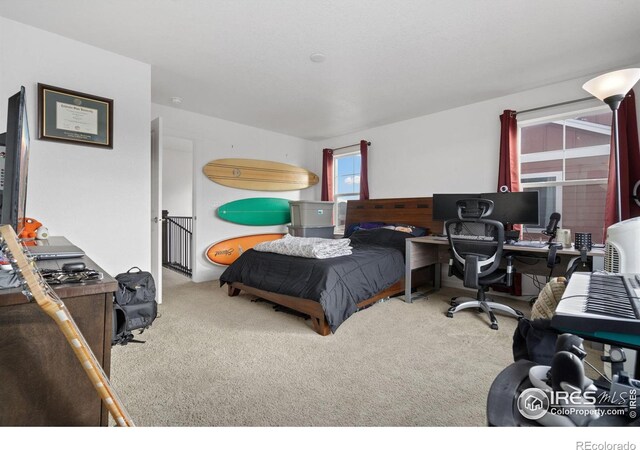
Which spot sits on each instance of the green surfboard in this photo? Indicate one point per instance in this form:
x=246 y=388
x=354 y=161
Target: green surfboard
x=256 y=211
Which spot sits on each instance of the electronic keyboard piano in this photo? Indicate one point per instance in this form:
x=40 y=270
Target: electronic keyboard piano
x=600 y=302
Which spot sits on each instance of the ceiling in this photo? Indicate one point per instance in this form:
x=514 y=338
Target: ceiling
x=248 y=61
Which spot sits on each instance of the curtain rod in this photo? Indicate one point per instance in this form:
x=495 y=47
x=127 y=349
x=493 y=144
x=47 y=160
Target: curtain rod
x=555 y=104
x=352 y=145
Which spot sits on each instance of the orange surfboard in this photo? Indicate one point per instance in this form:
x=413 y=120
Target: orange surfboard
x=227 y=251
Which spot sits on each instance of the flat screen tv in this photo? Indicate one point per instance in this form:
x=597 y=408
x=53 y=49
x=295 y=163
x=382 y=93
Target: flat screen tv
x=16 y=162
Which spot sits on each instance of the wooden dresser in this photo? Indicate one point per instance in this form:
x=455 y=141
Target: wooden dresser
x=41 y=381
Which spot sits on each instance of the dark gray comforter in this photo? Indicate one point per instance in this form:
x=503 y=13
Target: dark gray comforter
x=339 y=284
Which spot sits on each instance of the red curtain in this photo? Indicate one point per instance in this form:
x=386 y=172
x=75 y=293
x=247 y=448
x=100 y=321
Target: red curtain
x=629 y=164
x=327 y=175
x=509 y=175
x=364 y=178
x=509 y=168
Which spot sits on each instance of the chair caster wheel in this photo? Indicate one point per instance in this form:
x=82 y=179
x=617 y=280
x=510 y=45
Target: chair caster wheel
x=494 y=326
x=520 y=315
x=450 y=314
x=453 y=303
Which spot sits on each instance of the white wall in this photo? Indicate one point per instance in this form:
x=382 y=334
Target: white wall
x=98 y=198
x=213 y=139
x=177 y=176
x=451 y=151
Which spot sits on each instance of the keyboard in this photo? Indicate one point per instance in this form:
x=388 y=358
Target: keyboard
x=472 y=237
x=532 y=244
x=600 y=302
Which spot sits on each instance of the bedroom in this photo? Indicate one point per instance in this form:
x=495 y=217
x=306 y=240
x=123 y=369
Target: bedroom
x=414 y=152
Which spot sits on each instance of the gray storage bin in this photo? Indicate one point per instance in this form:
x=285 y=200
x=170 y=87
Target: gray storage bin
x=311 y=214
x=320 y=232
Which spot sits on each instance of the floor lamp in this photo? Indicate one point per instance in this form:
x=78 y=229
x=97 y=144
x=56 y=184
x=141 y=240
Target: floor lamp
x=611 y=88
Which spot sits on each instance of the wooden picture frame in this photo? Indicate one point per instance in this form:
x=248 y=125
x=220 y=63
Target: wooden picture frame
x=74 y=117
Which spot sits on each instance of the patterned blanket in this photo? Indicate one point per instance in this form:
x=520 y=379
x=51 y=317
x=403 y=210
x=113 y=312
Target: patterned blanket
x=317 y=248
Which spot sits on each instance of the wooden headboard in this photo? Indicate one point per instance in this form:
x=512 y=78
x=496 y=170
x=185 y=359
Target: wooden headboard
x=409 y=211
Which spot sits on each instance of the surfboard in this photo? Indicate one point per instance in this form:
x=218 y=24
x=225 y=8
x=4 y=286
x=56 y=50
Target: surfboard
x=227 y=251
x=256 y=211
x=259 y=175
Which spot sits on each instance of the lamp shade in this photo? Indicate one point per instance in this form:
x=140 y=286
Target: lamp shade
x=611 y=84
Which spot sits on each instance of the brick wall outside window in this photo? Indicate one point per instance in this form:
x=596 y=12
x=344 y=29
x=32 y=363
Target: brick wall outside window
x=557 y=155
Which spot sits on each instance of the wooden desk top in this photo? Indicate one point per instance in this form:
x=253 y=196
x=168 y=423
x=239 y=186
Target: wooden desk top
x=15 y=296
x=515 y=248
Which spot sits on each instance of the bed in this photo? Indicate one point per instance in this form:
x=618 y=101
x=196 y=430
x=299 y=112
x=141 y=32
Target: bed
x=331 y=290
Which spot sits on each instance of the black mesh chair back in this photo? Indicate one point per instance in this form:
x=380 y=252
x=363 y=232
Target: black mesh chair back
x=475 y=241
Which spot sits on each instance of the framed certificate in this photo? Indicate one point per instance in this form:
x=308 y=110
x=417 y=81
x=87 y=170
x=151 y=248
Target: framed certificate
x=74 y=118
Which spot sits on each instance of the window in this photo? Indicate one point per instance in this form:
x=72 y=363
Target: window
x=346 y=184
x=567 y=161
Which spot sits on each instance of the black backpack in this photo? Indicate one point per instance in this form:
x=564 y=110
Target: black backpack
x=134 y=305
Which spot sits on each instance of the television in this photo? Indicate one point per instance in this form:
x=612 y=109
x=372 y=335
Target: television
x=16 y=161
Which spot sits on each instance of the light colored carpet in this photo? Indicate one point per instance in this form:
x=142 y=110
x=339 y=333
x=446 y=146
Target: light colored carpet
x=214 y=360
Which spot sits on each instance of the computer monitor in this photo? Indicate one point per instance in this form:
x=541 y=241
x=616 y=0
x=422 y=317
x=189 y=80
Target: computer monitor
x=508 y=207
x=514 y=207
x=444 y=205
x=16 y=161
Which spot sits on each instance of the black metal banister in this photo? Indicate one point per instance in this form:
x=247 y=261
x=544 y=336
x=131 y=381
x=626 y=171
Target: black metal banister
x=177 y=234
x=173 y=221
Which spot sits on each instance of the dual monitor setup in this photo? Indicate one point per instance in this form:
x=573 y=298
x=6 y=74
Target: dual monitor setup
x=510 y=208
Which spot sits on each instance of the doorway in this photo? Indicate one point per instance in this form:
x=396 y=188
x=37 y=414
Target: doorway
x=177 y=205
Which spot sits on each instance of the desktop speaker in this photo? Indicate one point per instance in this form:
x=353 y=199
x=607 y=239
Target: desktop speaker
x=583 y=240
x=564 y=237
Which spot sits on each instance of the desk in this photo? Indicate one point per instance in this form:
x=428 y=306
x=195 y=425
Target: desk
x=42 y=383
x=433 y=250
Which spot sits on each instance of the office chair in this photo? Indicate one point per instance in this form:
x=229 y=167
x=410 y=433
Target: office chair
x=476 y=245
